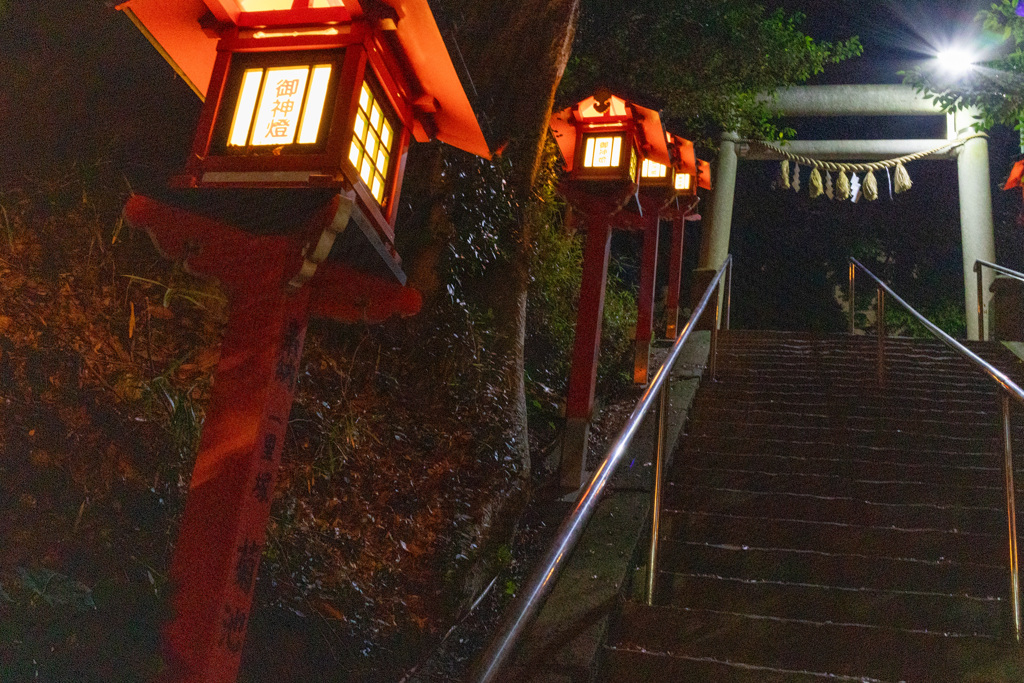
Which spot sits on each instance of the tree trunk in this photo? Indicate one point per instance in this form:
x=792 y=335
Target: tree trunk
x=516 y=53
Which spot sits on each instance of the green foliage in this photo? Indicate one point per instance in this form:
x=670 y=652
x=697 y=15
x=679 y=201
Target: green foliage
x=55 y=589
x=53 y=628
x=705 y=63
x=479 y=207
x=948 y=315
x=176 y=409
x=995 y=87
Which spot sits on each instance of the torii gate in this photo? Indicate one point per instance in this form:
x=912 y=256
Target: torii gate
x=976 y=227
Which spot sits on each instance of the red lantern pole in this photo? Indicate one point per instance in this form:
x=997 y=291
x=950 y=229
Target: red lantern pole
x=224 y=527
x=223 y=530
x=586 y=348
x=645 y=300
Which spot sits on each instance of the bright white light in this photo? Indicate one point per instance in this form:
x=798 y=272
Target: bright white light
x=956 y=61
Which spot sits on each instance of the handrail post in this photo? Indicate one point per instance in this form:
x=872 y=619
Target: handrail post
x=728 y=295
x=981 y=301
x=880 y=325
x=659 y=463
x=1011 y=514
x=853 y=306
x=713 y=360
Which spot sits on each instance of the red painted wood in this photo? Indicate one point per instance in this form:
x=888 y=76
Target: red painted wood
x=587 y=345
x=645 y=300
x=704 y=175
x=419 y=50
x=675 y=277
x=223 y=529
x=346 y=294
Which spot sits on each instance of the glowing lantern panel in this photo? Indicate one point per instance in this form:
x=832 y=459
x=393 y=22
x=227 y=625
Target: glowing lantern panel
x=603 y=152
x=372 y=138
x=652 y=169
x=280 y=106
x=272 y=5
x=684 y=181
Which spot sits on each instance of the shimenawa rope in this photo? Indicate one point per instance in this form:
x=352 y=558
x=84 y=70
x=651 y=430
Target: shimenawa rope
x=842 y=185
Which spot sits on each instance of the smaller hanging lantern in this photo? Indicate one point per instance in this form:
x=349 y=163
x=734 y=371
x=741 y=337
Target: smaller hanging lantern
x=684 y=161
x=611 y=147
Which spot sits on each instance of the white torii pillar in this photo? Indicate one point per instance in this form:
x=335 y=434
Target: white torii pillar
x=977 y=235
x=977 y=232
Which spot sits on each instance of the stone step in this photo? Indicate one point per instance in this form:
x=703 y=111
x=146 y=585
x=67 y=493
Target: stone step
x=638 y=665
x=804 y=442
x=851 y=468
x=791 y=408
x=848 y=568
x=832 y=416
x=777 y=646
x=878 y=490
x=822 y=598
x=878 y=510
x=921 y=543
x=817 y=524
x=955 y=437
x=856 y=395
x=824 y=448
x=852 y=387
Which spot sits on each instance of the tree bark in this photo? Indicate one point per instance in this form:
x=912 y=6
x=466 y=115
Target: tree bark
x=515 y=53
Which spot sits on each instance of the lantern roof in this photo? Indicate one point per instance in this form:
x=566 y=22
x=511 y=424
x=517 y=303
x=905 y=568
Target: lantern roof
x=684 y=157
x=703 y=174
x=651 y=133
x=185 y=32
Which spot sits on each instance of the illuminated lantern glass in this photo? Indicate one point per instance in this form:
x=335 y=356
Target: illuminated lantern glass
x=604 y=151
x=684 y=181
x=271 y=5
x=372 y=139
x=280 y=106
x=652 y=169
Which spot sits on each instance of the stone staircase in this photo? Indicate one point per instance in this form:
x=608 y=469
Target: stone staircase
x=819 y=527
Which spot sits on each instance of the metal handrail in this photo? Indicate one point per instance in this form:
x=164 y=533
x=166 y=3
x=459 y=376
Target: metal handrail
x=978 y=266
x=1010 y=388
x=542 y=580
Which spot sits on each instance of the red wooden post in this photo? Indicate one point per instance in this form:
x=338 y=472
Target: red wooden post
x=586 y=348
x=223 y=529
x=675 y=277
x=645 y=301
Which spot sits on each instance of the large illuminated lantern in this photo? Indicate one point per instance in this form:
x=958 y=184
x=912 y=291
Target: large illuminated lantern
x=309 y=109
x=312 y=93
x=605 y=142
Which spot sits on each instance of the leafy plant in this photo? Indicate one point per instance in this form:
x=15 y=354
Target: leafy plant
x=705 y=64
x=994 y=86
x=55 y=589
x=171 y=292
